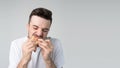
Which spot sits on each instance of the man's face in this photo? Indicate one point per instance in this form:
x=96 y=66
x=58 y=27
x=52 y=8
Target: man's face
x=38 y=26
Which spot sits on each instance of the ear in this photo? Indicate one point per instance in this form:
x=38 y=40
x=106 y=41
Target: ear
x=28 y=26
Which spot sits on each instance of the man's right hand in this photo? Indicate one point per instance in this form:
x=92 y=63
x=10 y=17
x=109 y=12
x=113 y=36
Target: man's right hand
x=27 y=49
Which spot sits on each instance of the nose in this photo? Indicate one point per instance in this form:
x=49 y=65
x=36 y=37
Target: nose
x=39 y=32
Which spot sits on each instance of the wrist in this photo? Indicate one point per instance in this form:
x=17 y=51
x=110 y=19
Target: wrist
x=22 y=64
x=24 y=61
x=48 y=61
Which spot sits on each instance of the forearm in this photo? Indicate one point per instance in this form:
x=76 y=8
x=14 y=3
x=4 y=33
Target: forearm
x=50 y=64
x=22 y=64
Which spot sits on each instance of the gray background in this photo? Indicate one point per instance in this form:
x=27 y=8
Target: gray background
x=89 y=30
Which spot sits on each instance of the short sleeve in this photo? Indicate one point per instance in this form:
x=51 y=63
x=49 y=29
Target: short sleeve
x=58 y=56
x=13 y=56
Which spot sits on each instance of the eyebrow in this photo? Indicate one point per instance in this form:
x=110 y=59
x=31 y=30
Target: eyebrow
x=35 y=26
x=43 y=28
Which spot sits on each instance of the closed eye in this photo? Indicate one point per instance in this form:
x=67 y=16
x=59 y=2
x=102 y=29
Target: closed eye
x=45 y=30
x=35 y=27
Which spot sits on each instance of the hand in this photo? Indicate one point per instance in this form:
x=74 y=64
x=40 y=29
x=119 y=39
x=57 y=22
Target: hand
x=27 y=49
x=46 y=48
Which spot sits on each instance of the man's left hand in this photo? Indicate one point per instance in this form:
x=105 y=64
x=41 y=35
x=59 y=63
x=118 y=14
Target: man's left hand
x=46 y=48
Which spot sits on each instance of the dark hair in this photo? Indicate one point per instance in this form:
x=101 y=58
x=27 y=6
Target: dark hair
x=42 y=12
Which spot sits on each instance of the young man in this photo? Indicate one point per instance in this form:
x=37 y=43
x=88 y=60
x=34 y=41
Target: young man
x=40 y=52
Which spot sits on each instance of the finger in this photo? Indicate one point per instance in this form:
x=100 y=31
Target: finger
x=43 y=47
x=34 y=43
x=49 y=43
x=32 y=49
x=30 y=45
x=41 y=40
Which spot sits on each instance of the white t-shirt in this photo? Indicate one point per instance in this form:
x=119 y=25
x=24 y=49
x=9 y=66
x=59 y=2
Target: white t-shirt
x=36 y=58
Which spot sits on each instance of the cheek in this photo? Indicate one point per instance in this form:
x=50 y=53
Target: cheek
x=31 y=31
x=45 y=34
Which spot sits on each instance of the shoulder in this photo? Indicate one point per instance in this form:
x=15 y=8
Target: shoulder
x=19 y=39
x=55 y=40
x=18 y=42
